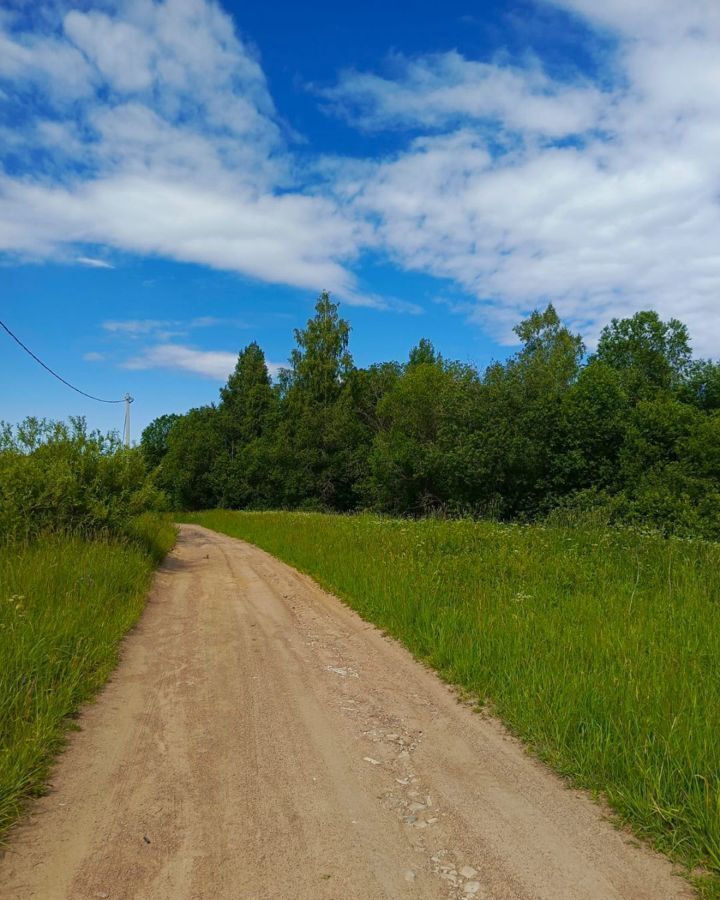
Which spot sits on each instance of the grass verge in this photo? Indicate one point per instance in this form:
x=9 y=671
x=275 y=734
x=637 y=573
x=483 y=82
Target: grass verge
x=65 y=605
x=597 y=647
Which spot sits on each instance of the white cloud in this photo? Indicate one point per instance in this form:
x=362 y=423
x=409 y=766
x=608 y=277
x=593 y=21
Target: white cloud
x=623 y=216
x=663 y=20
x=444 y=88
x=93 y=263
x=290 y=239
x=136 y=326
x=122 y=52
x=216 y=364
x=165 y=331
x=165 y=328
x=49 y=62
x=161 y=138
x=93 y=357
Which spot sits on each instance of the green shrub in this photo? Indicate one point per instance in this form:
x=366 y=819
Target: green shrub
x=60 y=477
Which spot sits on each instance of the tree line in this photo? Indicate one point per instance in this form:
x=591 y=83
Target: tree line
x=630 y=432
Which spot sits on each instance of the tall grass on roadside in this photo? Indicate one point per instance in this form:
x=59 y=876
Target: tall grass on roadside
x=598 y=647
x=65 y=605
x=153 y=532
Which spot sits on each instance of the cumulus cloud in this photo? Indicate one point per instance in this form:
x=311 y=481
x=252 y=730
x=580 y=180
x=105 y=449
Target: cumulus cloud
x=603 y=200
x=157 y=134
x=216 y=364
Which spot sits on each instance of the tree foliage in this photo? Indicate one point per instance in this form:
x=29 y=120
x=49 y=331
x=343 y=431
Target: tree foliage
x=154 y=442
x=632 y=429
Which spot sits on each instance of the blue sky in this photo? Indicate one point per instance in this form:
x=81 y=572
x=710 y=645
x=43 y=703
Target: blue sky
x=179 y=178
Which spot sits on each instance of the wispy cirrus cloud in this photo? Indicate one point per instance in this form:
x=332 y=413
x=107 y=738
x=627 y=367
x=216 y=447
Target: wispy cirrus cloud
x=155 y=346
x=215 y=364
x=152 y=326
x=93 y=263
x=136 y=326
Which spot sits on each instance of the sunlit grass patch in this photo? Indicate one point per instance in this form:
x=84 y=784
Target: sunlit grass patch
x=65 y=605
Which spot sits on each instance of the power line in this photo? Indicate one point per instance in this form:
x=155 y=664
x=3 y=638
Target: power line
x=55 y=374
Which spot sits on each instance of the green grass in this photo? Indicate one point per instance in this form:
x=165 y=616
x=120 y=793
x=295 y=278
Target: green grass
x=598 y=647
x=65 y=605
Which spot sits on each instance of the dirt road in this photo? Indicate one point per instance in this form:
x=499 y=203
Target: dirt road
x=259 y=740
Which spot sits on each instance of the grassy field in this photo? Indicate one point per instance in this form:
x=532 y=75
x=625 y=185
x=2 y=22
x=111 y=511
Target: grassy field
x=599 y=648
x=65 y=605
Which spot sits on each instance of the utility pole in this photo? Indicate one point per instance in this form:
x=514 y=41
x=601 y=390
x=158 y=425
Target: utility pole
x=128 y=401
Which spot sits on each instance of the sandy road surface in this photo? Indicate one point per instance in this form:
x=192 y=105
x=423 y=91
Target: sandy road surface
x=259 y=740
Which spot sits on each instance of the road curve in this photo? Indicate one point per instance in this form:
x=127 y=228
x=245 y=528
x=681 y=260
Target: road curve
x=259 y=740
